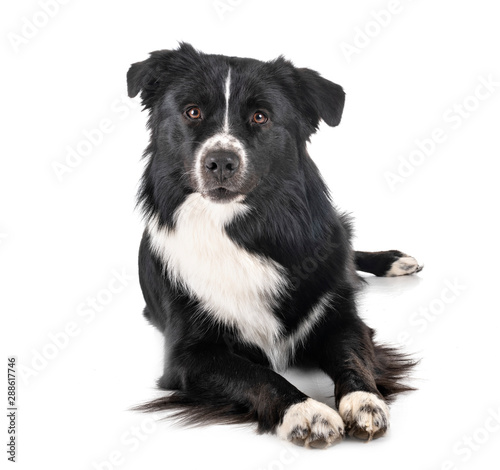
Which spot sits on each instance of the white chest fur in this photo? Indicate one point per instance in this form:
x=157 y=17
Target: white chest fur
x=234 y=286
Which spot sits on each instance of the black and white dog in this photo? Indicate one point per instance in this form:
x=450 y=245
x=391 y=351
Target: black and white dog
x=245 y=265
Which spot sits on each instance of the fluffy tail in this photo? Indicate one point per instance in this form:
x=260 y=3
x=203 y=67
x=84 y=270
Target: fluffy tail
x=392 y=370
x=192 y=410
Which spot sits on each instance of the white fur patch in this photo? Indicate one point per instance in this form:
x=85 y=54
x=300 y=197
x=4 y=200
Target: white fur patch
x=234 y=286
x=280 y=354
x=222 y=140
x=227 y=94
x=365 y=415
x=312 y=424
x=403 y=266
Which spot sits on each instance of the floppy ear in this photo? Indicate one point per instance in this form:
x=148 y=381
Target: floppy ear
x=323 y=98
x=137 y=76
x=149 y=77
x=146 y=76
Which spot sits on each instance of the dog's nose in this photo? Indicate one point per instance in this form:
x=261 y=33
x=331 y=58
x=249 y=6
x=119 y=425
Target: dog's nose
x=222 y=164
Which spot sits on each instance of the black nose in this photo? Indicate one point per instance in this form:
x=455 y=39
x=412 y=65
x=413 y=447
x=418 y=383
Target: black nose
x=222 y=164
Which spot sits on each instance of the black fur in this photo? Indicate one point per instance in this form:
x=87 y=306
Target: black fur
x=213 y=376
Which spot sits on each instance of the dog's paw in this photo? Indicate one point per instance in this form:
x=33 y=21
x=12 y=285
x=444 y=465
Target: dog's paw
x=403 y=265
x=311 y=424
x=365 y=415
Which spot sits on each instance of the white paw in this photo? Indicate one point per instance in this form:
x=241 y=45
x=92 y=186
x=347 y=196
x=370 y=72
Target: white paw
x=311 y=424
x=365 y=415
x=403 y=266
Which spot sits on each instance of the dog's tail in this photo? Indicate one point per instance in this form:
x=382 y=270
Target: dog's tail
x=392 y=371
x=194 y=410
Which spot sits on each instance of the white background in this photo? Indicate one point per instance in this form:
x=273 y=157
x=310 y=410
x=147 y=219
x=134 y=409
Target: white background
x=64 y=241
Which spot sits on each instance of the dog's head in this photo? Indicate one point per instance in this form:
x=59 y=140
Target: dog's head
x=223 y=126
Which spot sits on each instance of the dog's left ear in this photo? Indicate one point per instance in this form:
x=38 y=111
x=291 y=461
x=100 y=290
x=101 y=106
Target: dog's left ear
x=323 y=98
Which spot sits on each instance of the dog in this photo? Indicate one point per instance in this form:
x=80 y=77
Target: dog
x=245 y=265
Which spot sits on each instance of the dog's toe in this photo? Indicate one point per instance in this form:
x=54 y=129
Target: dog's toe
x=365 y=415
x=403 y=266
x=298 y=435
x=311 y=424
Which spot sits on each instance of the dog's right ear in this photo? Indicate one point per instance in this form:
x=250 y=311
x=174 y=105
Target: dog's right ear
x=147 y=76
x=150 y=76
x=137 y=76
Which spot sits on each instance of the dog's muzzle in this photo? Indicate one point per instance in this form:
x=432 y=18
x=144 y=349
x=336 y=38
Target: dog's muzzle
x=221 y=168
x=221 y=165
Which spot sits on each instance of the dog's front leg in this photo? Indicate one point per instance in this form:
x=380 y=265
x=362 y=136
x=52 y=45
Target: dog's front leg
x=363 y=373
x=228 y=385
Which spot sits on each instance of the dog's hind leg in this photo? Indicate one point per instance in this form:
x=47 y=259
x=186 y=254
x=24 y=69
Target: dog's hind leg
x=386 y=263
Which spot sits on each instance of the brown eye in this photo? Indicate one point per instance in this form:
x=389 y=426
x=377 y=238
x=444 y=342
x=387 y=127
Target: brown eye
x=193 y=113
x=260 y=118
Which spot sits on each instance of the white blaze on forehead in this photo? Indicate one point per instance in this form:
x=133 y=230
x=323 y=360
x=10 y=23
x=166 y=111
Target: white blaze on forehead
x=227 y=93
x=223 y=140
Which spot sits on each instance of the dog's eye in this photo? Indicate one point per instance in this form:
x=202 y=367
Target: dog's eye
x=260 y=118
x=193 y=113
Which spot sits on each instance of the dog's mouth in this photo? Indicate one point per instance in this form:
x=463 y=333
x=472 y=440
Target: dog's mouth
x=221 y=194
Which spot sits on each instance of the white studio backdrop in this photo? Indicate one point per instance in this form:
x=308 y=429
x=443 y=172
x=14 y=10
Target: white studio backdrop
x=415 y=160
